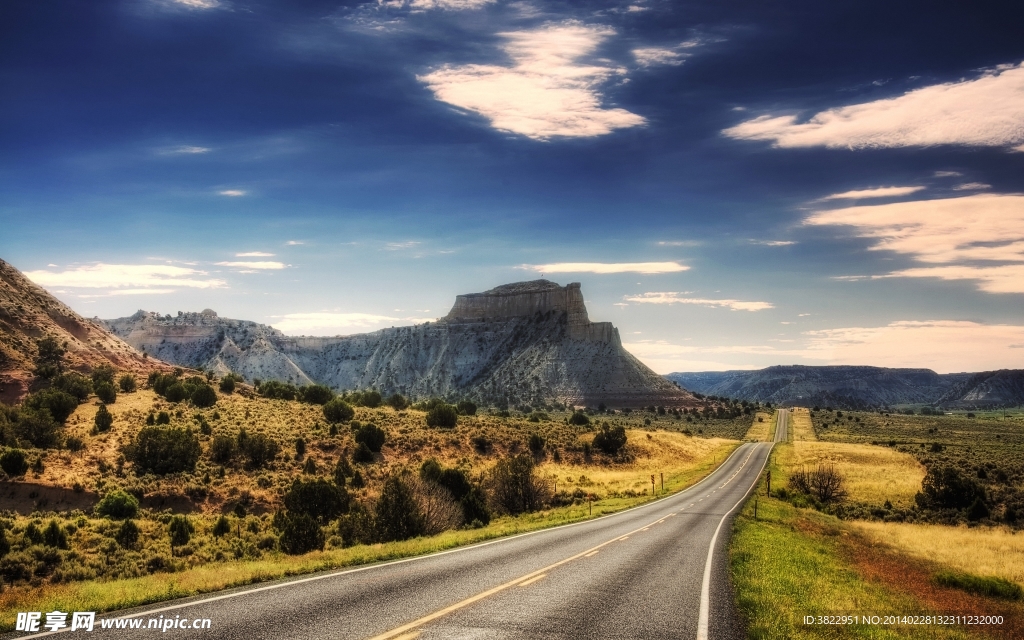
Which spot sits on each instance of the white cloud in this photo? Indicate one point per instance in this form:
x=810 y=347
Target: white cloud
x=450 y=5
x=947 y=174
x=253 y=265
x=650 y=56
x=128 y=292
x=676 y=297
x=232 y=193
x=635 y=8
x=878 y=192
x=120 y=276
x=607 y=267
x=984 y=111
x=774 y=243
x=547 y=92
x=331 y=323
x=198 y=4
x=397 y=246
x=957 y=233
x=972 y=186
x=186 y=150
x=254 y=254
x=294 y=243
x=679 y=243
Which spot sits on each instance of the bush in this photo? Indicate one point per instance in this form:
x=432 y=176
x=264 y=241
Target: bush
x=13 y=462
x=74 y=384
x=277 y=390
x=105 y=392
x=128 y=534
x=49 y=357
x=103 y=373
x=536 y=443
x=946 y=488
x=825 y=484
x=318 y=499
x=180 y=530
x=397 y=512
x=203 y=396
x=257 y=449
x=118 y=505
x=127 y=383
x=338 y=410
x=38 y=427
x=579 y=419
x=362 y=453
x=466 y=408
x=55 y=536
x=610 y=439
x=301 y=534
x=227 y=384
x=978 y=510
x=163 y=450
x=342 y=471
x=443 y=415
x=990 y=586
x=300 y=447
x=163 y=418
x=176 y=392
x=439 y=510
x=222 y=449
x=316 y=394
x=221 y=527
x=59 y=403
x=515 y=488
x=397 y=401
x=370 y=399
x=372 y=436
x=103 y=419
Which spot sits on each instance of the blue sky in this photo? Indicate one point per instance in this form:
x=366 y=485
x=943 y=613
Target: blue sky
x=735 y=184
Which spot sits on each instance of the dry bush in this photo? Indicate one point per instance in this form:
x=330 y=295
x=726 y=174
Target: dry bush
x=825 y=483
x=438 y=507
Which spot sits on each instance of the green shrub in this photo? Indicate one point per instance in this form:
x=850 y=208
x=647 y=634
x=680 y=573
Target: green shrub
x=610 y=439
x=118 y=505
x=515 y=488
x=55 y=536
x=163 y=450
x=127 y=383
x=978 y=510
x=466 y=408
x=103 y=373
x=176 y=392
x=579 y=419
x=398 y=515
x=257 y=449
x=277 y=390
x=372 y=436
x=180 y=530
x=203 y=396
x=371 y=399
x=474 y=506
x=38 y=427
x=443 y=415
x=991 y=586
x=536 y=443
x=49 y=357
x=222 y=449
x=397 y=401
x=318 y=499
x=74 y=384
x=300 y=447
x=103 y=420
x=163 y=418
x=105 y=392
x=342 y=470
x=13 y=462
x=316 y=394
x=947 y=488
x=128 y=534
x=227 y=384
x=362 y=453
x=221 y=527
x=337 y=410
x=309 y=468
x=301 y=534
x=59 y=403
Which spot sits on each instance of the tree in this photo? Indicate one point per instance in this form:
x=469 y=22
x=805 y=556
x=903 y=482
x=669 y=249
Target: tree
x=362 y=453
x=515 y=488
x=59 y=403
x=127 y=383
x=300 y=447
x=610 y=439
x=397 y=401
x=128 y=534
x=318 y=499
x=579 y=419
x=38 y=427
x=372 y=436
x=118 y=505
x=180 y=530
x=258 y=449
x=945 y=487
x=163 y=450
x=466 y=408
x=13 y=463
x=103 y=419
x=398 y=515
x=316 y=394
x=536 y=443
x=222 y=449
x=301 y=534
x=221 y=527
x=49 y=357
x=439 y=510
x=338 y=410
x=103 y=373
x=176 y=392
x=443 y=415
x=203 y=396
x=342 y=471
x=978 y=510
x=55 y=536
x=105 y=392
x=227 y=384
x=73 y=383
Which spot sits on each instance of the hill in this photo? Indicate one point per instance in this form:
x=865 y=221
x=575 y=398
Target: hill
x=526 y=342
x=28 y=313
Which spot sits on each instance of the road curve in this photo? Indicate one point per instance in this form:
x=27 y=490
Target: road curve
x=642 y=573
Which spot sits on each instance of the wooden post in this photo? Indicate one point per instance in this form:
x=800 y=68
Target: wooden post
x=654 y=491
x=769 y=482
x=755 y=508
x=663 y=482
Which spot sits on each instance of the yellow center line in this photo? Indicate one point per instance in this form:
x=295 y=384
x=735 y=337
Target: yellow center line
x=592 y=553
x=532 y=580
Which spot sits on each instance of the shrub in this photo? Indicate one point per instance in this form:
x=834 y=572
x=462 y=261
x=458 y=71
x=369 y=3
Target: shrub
x=991 y=586
x=610 y=439
x=227 y=384
x=128 y=534
x=127 y=383
x=49 y=357
x=55 y=536
x=221 y=527
x=370 y=399
x=258 y=449
x=536 y=443
x=203 y=396
x=443 y=415
x=318 y=499
x=60 y=404
x=945 y=487
x=481 y=444
x=74 y=384
x=579 y=419
x=163 y=450
x=439 y=510
x=362 y=453
x=397 y=401
x=978 y=510
x=466 y=408
x=277 y=390
x=103 y=373
x=316 y=394
x=342 y=470
x=103 y=419
x=301 y=534
x=13 y=462
x=338 y=410
x=309 y=468
x=300 y=447
x=515 y=488
x=372 y=436
x=222 y=449
x=430 y=470
x=118 y=505
x=176 y=392
x=397 y=512
x=180 y=530
x=105 y=392
x=38 y=427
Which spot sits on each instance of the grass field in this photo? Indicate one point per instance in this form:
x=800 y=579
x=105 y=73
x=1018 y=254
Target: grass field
x=800 y=425
x=873 y=474
x=761 y=431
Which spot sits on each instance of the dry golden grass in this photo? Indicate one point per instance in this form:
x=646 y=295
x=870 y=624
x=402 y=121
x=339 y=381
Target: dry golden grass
x=800 y=426
x=987 y=551
x=760 y=431
x=873 y=474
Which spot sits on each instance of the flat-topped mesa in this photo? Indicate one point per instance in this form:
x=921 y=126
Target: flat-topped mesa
x=527 y=299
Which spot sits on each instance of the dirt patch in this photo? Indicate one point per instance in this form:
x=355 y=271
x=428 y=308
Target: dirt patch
x=27 y=497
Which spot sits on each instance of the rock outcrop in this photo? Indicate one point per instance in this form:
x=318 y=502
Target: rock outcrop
x=527 y=342
x=28 y=313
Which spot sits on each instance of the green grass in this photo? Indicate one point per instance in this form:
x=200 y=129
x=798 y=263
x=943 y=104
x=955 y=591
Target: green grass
x=991 y=586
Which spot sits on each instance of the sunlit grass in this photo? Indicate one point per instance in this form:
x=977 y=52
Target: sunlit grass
x=761 y=431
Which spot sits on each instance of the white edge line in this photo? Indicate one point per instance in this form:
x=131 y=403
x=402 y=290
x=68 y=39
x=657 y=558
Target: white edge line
x=368 y=567
x=705 y=587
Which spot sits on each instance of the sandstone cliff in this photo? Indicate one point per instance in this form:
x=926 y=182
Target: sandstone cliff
x=523 y=342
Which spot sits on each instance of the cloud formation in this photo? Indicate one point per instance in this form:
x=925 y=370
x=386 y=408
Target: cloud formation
x=261 y=264
x=254 y=254
x=186 y=150
x=607 y=267
x=878 y=192
x=232 y=193
x=330 y=323
x=651 y=56
x=986 y=111
x=549 y=91
x=151 y=277
x=676 y=297
x=773 y=243
x=960 y=234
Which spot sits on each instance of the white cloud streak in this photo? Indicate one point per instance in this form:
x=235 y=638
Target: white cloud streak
x=548 y=91
x=773 y=243
x=878 y=192
x=986 y=111
x=261 y=264
x=607 y=267
x=956 y=233
x=675 y=297
x=254 y=254
x=232 y=193
x=652 y=56
x=334 y=323
x=125 y=276
x=972 y=186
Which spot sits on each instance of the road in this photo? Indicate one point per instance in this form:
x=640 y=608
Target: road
x=782 y=426
x=643 y=573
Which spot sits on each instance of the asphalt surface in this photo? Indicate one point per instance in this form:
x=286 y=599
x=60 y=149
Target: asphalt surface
x=638 y=574
x=782 y=426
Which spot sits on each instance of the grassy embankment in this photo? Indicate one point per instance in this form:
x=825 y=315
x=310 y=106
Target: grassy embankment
x=763 y=427
x=791 y=562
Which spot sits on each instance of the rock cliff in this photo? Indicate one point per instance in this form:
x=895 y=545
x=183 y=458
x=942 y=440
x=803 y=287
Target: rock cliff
x=524 y=342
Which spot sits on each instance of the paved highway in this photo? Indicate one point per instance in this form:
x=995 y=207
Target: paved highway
x=656 y=571
x=782 y=426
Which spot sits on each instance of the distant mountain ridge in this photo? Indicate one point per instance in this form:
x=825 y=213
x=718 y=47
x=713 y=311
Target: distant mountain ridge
x=860 y=387
x=521 y=342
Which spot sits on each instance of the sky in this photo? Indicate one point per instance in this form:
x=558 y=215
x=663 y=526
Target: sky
x=735 y=184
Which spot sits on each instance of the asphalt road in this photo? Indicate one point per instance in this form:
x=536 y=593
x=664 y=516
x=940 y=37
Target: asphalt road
x=782 y=426
x=656 y=571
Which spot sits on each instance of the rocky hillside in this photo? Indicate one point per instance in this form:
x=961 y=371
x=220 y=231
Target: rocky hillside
x=522 y=342
x=28 y=313
x=850 y=387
